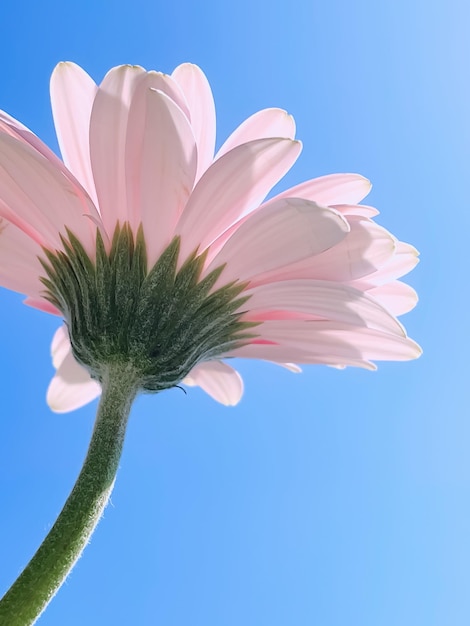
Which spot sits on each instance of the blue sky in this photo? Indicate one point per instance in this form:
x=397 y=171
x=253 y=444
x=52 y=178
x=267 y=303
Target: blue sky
x=325 y=498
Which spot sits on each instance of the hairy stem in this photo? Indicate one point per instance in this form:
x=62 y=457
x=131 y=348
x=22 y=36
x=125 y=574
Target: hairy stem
x=42 y=577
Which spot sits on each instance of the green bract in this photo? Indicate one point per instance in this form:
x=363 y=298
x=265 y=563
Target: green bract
x=160 y=322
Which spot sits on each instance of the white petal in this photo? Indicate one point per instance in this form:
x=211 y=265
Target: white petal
x=219 y=380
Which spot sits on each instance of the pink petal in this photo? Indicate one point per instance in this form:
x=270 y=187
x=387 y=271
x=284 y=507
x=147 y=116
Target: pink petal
x=12 y=127
x=261 y=315
x=19 y=265
x=108 y=131
x=324 y=299
x=365 y=249
x=292 y=367
x=161 y=165
x=60 y=346
x=280 y=353
x=198 y=94
x=331 y=189
x=288 y=231
x=165 y=83
x=342 y=342
x=404 y=259
x=397 y=297
x=42 y=305
x=219 y=380
x=71 y=387
x=356 y=209
x=39 y=199
x=235 y=184
x=72 y=96
x=262 y=125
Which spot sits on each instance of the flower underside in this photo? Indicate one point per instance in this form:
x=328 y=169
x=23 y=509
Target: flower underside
x=160 y=322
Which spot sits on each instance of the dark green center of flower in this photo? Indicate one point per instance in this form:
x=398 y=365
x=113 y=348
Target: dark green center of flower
x=161 y=322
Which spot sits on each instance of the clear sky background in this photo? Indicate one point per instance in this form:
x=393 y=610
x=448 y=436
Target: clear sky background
x=326 y=498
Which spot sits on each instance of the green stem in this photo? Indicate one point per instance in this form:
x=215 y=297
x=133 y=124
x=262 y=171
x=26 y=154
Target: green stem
x=40 y=580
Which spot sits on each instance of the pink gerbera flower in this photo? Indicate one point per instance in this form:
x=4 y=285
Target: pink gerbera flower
x=164 y=259
x=308 y=276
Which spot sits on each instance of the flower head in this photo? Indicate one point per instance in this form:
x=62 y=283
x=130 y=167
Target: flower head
x=156 y=251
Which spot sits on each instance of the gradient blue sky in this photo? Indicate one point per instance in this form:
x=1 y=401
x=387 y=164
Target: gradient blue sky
x=326 y=498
